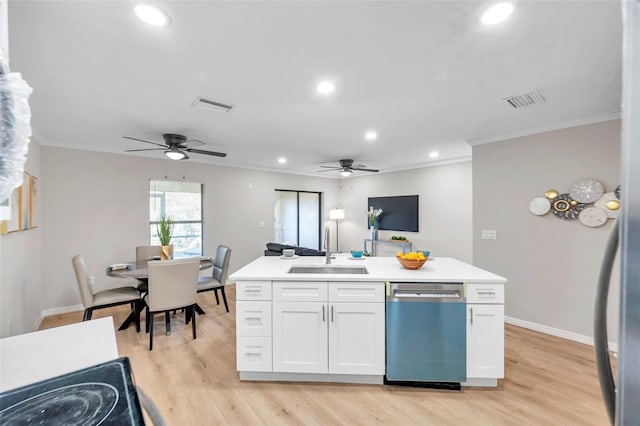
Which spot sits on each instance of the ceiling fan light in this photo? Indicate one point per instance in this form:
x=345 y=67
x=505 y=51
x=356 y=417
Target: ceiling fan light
x=175 y=154
x=346 y=173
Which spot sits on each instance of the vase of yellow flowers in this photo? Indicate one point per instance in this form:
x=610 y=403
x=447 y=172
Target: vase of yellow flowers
x=373 y=215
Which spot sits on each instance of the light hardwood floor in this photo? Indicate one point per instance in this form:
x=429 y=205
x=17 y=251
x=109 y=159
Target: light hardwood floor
x=549 y=381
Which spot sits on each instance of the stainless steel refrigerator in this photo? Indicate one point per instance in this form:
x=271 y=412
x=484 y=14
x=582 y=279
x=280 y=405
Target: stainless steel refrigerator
x=622 y=395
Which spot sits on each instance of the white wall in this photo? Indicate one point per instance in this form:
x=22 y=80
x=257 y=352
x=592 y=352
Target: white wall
x=97 y=205
x=552 y=264
x=20 y=268
x=445 y=208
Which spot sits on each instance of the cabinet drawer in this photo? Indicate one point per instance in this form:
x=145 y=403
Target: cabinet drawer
x=253 y=290
x=254 y=354
x=253 y=318
x=356 y=292
x=299 y=291
x=485 y=293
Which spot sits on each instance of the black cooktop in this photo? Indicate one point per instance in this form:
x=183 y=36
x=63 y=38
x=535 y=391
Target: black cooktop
x=100 y=395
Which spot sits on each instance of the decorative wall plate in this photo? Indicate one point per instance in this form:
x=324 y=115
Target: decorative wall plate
x=617 y=192
x=586 y=190
x=566 y=207
x=539 y=206
x=551 y=194
x=610 y=204
x=593 y=217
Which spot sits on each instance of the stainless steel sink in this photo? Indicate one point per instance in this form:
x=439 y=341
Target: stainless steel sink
x=330 y=269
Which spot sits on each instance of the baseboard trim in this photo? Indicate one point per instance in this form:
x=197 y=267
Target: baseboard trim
x=60 y=310
x=569 y=335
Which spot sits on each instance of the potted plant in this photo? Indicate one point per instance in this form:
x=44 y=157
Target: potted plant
x=164 y=228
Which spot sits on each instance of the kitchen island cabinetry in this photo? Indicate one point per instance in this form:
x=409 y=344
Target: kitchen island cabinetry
x=314 y=331
x=326 y=324
x=485 y=333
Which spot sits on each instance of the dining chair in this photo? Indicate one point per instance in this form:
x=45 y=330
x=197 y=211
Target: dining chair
x=172 y=285
x=147 y=252
x=92 y=300
x=218 y=278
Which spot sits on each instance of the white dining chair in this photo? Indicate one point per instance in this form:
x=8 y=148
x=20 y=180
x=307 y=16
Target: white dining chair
x=172 y=285
x=92 y=300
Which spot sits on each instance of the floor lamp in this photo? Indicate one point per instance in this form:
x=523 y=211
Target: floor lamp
x=337 y=214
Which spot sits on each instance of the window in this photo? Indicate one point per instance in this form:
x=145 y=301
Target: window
x=297 y=218
x=183 y=202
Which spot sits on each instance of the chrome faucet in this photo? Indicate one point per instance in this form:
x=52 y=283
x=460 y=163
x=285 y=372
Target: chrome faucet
x=327 y=245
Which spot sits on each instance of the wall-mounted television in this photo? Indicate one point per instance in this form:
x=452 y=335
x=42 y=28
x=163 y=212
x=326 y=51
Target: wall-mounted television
x=399 y=213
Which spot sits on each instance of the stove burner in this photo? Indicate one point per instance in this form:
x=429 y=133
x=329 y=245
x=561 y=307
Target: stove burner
x=80 y=404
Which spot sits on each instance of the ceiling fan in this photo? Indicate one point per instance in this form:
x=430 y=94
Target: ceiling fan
x=175 y=146
x=347 y=168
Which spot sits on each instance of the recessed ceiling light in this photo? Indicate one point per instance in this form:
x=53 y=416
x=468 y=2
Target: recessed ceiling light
x=326 y=87
x=152 y=15
x=497 y=13
x=433 y=154
x=282 y=160
x=371 y=136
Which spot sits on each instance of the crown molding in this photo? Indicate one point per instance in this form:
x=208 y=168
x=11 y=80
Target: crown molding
x=547 y=128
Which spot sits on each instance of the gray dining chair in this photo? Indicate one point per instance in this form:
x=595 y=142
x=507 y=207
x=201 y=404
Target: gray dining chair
x=218 y=278
x=147 y=252
x=172 y=285
x=92 y=300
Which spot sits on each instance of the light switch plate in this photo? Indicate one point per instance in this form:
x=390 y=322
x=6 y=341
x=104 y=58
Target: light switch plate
x=489 y=234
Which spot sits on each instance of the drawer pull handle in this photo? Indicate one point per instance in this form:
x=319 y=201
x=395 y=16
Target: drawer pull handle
x=253 y=354
x=253 y=318
x=487 y=292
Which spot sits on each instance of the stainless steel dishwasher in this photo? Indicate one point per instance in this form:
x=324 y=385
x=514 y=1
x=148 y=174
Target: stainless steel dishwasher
x=426 y=334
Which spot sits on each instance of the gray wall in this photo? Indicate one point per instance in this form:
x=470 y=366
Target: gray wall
x=97 y=205
x=552 y=264
x=20 y=268
x=445 y=221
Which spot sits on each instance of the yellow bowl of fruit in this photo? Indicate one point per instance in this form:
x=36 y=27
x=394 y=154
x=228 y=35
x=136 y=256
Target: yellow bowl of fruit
x=411 y=260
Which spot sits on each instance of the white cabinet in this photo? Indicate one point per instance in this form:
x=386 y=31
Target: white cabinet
x=253 y=326
x=485 y=331
x=300 y=337
x=356 y=338
x=321 y=333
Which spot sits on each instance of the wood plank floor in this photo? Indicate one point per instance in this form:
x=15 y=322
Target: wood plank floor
x=549 y=381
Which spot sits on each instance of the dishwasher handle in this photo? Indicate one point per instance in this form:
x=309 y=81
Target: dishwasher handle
x=426 y=292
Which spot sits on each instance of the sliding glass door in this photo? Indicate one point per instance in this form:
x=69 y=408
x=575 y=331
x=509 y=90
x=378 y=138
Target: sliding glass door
x=297 y=218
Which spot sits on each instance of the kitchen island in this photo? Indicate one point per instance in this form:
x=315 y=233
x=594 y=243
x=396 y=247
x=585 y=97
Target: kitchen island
x=328 y=324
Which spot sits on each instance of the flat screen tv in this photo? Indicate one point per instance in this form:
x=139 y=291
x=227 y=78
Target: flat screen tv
x=398 y=213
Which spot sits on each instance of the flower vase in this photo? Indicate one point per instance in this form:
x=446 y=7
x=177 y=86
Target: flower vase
x=374 y=233
x=166 y=253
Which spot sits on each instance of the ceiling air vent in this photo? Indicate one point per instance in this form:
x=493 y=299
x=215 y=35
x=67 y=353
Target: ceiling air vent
x=528 y=99
x=212 y=105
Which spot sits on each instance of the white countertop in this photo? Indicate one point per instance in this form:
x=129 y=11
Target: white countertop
x=32 y=357
x=440 y=269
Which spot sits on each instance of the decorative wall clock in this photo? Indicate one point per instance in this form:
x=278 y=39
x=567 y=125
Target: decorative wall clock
x=566 y=207
x=586 y=190
x=593 y=217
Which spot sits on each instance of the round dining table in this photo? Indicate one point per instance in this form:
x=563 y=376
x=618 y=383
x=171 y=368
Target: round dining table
x=139 y=270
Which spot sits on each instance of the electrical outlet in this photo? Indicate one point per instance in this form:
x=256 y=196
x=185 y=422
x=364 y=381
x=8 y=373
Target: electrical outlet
x=489 y=234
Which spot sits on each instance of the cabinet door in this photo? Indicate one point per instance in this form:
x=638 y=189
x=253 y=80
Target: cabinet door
x=356 y=338
x=485 y=341
x=300 y=337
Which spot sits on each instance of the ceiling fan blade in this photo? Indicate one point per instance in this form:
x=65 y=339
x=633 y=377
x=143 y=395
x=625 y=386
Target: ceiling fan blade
x=365 y=170
x=328 y=170
x=193 y=142
x=142 y=140
x=201 y=151
x=146 y=149
x=331 y=167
